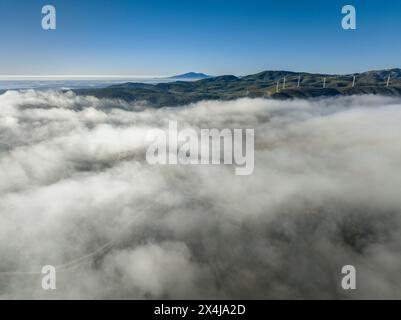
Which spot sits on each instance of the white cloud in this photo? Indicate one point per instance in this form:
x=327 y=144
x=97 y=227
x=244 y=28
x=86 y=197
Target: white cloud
x=74 y=184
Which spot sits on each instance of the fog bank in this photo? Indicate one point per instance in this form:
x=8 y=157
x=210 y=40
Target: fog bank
x=76 y=192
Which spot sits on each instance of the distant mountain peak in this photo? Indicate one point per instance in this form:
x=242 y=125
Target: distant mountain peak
x=191 y=75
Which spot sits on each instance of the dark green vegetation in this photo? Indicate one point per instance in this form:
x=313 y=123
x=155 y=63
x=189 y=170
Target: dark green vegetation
x=263 y=84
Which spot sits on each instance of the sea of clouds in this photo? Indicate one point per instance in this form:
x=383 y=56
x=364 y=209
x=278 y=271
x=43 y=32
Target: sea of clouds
x=76 y=192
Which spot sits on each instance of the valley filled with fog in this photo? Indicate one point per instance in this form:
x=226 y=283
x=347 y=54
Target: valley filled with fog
x=76 y=192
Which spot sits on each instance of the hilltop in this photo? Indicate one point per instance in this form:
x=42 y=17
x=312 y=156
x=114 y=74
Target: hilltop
x=262 y=84
x=191 y=75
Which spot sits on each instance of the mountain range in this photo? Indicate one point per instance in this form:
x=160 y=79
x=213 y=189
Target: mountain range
x=269 y=84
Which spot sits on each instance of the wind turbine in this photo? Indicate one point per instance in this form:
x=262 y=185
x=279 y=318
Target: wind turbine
x=299 y=80
x=353 y=82
x=324 y=82
x=284 y=83
x=388 y=80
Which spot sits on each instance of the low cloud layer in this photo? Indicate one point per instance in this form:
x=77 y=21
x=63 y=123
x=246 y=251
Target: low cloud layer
x=77 y=193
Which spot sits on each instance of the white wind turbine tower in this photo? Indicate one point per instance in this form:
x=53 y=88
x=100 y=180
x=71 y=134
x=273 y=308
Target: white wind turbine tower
x=277 y=85
x=353 y=82
x=388 y=80
x=299 y=80
x=284 y=83
x=324 y=82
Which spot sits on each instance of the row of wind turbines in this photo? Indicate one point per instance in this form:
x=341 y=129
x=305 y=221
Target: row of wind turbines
x=324 y=82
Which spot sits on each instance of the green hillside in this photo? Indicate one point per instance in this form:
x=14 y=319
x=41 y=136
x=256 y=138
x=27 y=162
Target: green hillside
x=263 y=84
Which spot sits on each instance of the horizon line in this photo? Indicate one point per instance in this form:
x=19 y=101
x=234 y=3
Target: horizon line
x=99 y=77
x=5 y=77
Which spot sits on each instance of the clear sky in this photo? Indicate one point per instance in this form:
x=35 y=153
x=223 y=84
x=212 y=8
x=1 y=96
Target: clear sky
x=166 y=37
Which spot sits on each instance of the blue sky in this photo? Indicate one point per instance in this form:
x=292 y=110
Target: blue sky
x=165 y=37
